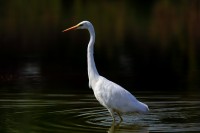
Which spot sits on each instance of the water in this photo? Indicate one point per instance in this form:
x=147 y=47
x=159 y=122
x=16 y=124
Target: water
x=80 y=113
x=31 y=103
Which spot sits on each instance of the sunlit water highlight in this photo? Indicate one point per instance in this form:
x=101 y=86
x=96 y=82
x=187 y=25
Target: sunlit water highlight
x=59 y=113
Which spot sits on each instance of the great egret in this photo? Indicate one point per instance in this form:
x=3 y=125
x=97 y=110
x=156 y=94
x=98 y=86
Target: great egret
x=112 y=96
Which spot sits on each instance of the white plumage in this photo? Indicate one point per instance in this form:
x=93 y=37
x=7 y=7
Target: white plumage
x=112 y=96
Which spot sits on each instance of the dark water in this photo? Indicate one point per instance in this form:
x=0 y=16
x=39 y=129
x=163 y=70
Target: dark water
x=29 y=103
x=59 y=113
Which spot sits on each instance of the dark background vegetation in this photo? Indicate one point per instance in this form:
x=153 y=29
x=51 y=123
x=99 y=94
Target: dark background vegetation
x=142 y=45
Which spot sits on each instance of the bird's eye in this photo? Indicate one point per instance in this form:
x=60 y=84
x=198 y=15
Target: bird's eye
x=81 y=25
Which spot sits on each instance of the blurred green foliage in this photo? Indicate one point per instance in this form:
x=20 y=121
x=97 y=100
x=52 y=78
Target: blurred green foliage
x=144 y=30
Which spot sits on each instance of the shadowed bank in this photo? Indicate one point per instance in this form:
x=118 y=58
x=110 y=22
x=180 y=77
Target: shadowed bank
x=140 y=45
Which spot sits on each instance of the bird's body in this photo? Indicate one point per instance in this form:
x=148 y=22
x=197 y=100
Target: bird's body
x=112 y=96
x=115 y=98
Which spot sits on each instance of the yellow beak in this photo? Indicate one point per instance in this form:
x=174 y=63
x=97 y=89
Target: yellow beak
x=71 y=28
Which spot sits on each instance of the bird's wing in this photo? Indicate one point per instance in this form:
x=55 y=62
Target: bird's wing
x=114 y=96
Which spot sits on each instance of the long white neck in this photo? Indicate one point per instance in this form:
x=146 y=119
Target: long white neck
x=92 y=70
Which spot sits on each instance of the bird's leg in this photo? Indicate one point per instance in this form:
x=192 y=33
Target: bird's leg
x=119 y=116
x=112 y=114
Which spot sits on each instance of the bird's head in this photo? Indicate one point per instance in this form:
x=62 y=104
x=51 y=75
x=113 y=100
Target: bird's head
x=81 y=25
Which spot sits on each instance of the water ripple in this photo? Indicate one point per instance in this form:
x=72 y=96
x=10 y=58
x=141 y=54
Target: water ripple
x=82 y=113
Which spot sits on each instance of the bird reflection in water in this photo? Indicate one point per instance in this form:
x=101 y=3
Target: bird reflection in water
x=116 y=128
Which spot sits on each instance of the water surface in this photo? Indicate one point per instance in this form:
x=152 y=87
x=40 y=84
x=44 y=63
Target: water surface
x=80 y=112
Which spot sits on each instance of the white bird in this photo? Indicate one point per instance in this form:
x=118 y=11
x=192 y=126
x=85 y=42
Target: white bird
x=112 y=96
